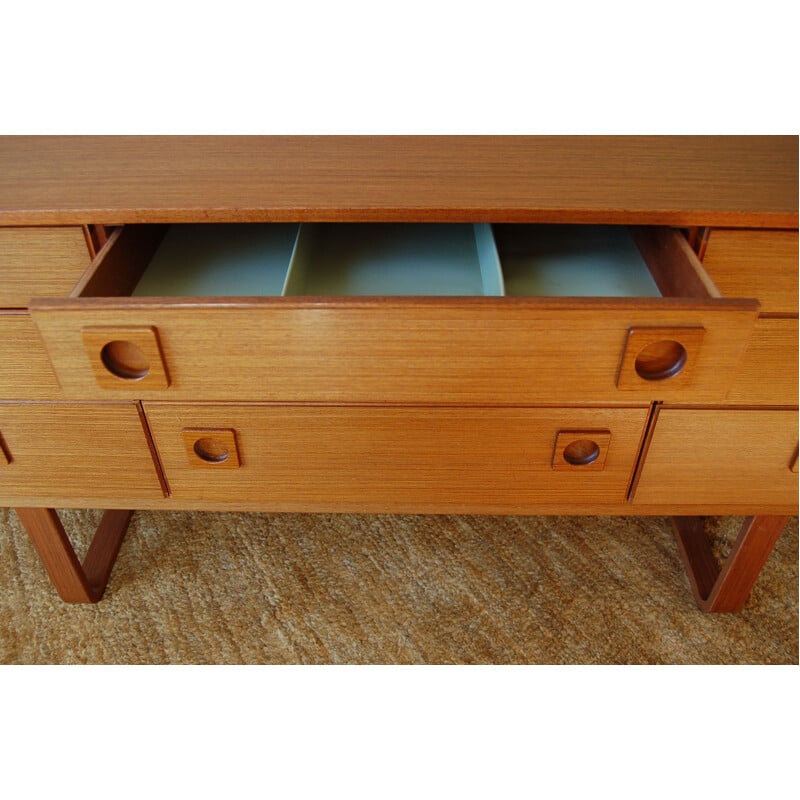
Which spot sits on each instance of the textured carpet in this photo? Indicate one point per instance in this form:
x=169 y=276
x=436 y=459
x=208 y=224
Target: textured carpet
x=259 y=588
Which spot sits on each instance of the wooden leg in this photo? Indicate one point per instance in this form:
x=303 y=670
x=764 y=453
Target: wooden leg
x=75 y=583
x=726 y=587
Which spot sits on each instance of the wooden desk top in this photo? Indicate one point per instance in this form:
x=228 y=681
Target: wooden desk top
x=724 y=180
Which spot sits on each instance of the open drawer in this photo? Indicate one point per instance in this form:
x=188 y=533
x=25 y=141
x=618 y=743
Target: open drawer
x=396 y=313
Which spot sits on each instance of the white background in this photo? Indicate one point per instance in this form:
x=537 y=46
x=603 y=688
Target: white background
x=411 y=67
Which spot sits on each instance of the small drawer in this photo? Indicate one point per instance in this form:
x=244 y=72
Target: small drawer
x=721 y=457
x=62 y=455
x=382 y=459
x=760 y=264
x=40 y=262
x=768 y=372
x=435 y=314
x=25 y=371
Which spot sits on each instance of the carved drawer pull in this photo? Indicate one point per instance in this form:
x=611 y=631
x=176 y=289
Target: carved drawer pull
x=659 y=354
x=581 y=450
x=211 y=447
x=126 y=357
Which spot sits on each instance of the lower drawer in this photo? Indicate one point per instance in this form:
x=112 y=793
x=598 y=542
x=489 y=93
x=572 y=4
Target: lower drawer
x=391 y=459
x=25 y=371
x=712 y=456
x=55 y=454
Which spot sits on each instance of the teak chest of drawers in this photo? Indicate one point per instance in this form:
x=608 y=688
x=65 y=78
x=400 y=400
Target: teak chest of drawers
x=527 y=325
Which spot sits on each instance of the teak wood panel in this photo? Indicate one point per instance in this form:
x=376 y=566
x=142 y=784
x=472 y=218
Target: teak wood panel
x=40 y=262
x=411 y=350
x=672 y=180
x=768 y=373
x=95 y=455
x=25 y=371
x=760 y=264
x=381 y=459
x=708 y=456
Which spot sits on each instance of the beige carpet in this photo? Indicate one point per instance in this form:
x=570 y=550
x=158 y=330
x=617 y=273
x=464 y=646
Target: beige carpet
x=258 y=588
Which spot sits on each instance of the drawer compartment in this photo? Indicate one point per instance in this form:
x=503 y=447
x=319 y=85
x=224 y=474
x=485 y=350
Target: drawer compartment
x=573 y=261
x=760 y=264
x=25 y=371
x=56 y=454
x=679 y=341
x=716 y=456
x=40 y=262
x=379 y=459
x=393 y=260
x=219 y=261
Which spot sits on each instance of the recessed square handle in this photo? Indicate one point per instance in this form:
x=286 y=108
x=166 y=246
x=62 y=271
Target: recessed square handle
x=659 y=356
x=126 y=357
x=583 y=451
x=211 y=447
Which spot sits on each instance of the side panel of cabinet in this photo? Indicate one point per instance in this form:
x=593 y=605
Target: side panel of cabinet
x=384 y=459
x=715 y=456
x=77 y=454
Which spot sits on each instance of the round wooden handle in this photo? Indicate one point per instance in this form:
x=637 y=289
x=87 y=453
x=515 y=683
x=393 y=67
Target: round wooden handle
x=211 y=450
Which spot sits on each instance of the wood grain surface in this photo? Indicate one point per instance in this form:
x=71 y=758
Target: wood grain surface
x=768 y=372
x=380 y=459
x=92 y=455
x=40 y=262
x=407 y=350
x=721 y=456
x=25 y=371
x=760 y=264
x=671 y=180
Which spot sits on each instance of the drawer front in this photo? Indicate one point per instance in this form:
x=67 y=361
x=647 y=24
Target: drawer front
x=768 y=373
x=732 y=456
x=393 y=351
x=374 y=459
x=40 y=262
x=760 y=264
x=25 y=371
x=54 y=454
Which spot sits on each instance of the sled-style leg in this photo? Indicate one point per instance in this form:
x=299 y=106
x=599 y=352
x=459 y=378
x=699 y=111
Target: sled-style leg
x=726 y=587
x=75 y=583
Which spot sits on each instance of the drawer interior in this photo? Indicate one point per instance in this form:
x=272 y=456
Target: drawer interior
x=394 y=259
x=219 y=261
x=399 y=259
x=572 y=261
